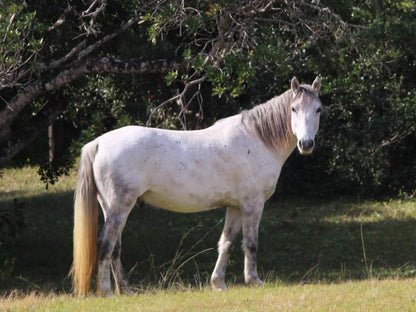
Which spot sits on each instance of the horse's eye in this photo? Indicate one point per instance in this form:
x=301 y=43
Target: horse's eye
x=319 y=110
x=293 y=109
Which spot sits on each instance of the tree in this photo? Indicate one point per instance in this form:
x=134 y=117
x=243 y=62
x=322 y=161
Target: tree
x=45 y=50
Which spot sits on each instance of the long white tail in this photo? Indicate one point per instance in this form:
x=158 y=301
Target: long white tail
x=85 y=222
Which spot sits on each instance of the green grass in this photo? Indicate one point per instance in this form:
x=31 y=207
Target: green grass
x=343 y=252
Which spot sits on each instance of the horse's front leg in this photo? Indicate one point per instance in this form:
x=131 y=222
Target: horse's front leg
x=232 y=227
x=251 y=220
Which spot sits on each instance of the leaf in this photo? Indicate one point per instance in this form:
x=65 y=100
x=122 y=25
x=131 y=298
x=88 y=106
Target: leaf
x=186 y=54
x=170 y=77
x=199 y=63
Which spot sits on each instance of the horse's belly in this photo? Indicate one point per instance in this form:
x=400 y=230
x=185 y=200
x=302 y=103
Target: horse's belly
x=187 y=202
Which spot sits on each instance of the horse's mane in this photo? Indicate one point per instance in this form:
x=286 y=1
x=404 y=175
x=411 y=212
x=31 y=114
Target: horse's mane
x=271 y=121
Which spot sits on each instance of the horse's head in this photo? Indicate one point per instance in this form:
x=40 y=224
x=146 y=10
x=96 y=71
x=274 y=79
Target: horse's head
x=306 y=108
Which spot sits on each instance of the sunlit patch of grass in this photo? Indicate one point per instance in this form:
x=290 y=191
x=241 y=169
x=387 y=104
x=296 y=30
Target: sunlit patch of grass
x=373 y=211
x=25 y=182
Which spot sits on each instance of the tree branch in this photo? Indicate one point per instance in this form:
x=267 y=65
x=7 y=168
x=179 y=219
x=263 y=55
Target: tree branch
x=276 y=21
x=124 y=26
x=55 y=64
x=104 y=65
x=180 y=98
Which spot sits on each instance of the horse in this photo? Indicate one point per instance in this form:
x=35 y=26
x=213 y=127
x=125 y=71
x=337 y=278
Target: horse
x=233 y=164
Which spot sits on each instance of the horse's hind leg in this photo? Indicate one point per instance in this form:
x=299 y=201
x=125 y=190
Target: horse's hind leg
x=107 y=241
x=232 y=227
x=118 y=270
x=251 y=220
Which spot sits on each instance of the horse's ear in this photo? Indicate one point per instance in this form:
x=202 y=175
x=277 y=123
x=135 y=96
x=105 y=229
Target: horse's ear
x=316 y=85
x=294 y=85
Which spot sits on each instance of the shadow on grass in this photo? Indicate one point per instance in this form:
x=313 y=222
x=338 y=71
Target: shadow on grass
x=163 y=249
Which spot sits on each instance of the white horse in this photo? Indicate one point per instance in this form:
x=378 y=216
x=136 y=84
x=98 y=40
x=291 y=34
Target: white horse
x=235 y=164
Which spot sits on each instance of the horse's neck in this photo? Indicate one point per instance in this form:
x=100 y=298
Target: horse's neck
x=290 y=147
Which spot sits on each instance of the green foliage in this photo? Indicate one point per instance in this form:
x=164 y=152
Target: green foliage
x=171 y=77
x=20 y=35
x=50 y=172
x=199 y=63
x=372 y=126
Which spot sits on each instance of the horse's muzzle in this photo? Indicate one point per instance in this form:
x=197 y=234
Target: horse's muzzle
x=305 y=146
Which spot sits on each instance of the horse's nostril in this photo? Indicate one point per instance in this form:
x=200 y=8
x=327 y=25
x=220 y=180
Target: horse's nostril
x=306 y=144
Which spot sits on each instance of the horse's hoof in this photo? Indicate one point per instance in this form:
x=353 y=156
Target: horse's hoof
x=105 y=293
x=128 y=291
x=218 y=284
x=255 y=282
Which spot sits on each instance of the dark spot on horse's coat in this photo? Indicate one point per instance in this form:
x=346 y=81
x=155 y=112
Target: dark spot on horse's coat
x=125 y=193
x=231 y=235
x=231 y=246
x=117 y=250
x=248 y=152
x=250 y=246
x=103 y=250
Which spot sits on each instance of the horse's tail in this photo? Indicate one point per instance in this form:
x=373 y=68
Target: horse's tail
x=85 y=222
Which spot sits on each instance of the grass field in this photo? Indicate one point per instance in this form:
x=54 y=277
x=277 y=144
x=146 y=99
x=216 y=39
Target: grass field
x=386 y=295
x=337 y=254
